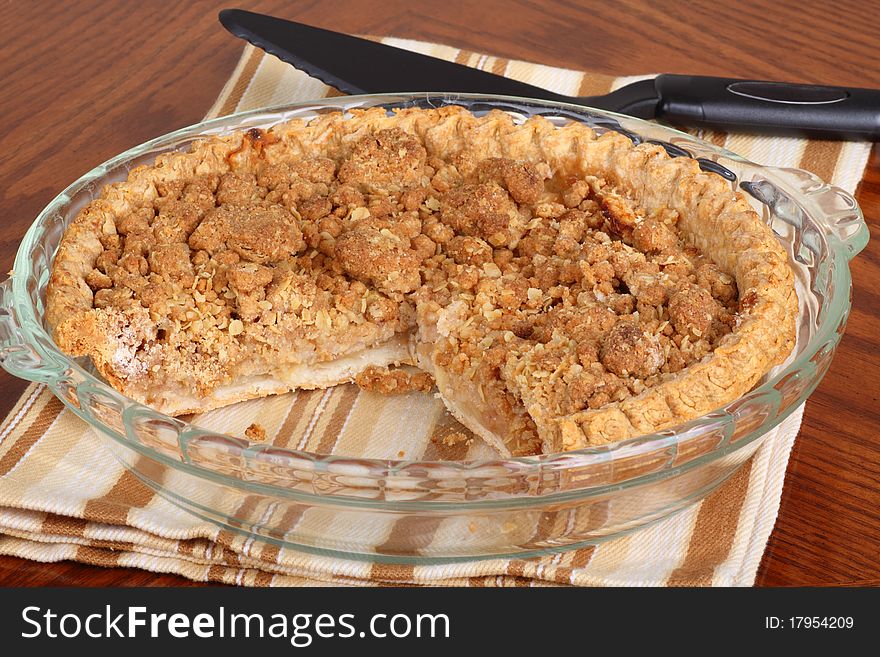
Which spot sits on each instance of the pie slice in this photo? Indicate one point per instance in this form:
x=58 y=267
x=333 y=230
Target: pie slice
x=563 y=289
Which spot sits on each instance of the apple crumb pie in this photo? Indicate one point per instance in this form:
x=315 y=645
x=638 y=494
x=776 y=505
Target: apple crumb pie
x=561 y=289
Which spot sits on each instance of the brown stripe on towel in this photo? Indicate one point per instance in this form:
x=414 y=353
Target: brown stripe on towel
x=547 y=524
x=411 y=534
x=713 y=532
x=717 y=138
x=464 y=57
x=516 y=567
x=246 y=510
x=820 y=157
x=578 y=559
x=217 y=573
x=128 y=492
x=499 y=66
x=438 y=450
x=323 y=399
x=116 y=546
x=263 y=578
x=15 y=416
x=294 y=415
x=337 y=420
x=594 y=85
x=241 y=85
x=30 y=436
x=54 y=524
x=391 y=572
x=97 y=556
x=289 y=520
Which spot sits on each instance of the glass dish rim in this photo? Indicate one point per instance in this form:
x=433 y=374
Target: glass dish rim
x=31 y=325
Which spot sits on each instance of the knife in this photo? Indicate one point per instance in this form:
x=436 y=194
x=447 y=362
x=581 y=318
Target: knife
x=353 y=65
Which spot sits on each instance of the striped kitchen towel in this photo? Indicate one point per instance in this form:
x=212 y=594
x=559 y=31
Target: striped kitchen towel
x=64 y=496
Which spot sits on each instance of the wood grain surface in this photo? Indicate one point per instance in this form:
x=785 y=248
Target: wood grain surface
x=83 y=81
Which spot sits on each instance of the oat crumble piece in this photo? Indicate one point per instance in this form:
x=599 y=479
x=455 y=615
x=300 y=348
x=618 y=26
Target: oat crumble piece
x=387 y=381
x=255 y=432
x=454 y=438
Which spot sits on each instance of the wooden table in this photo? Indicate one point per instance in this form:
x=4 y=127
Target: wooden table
x=83 y=81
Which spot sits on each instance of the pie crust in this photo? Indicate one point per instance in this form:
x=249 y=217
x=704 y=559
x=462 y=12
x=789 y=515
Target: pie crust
x=563 y=289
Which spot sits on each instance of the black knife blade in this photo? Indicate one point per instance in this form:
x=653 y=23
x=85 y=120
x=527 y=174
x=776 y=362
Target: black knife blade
x=355 y=65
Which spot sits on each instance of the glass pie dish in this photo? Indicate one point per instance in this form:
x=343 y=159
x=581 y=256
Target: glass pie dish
x=347 y=506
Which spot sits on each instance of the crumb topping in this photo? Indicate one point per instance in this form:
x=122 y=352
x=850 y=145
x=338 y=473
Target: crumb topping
x=569 y=294
x=388 y=381
x=256 y=432
x=453 y=439
x=547 y=293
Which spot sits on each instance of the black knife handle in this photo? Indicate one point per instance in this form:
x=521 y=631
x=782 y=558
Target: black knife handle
x=817 y=111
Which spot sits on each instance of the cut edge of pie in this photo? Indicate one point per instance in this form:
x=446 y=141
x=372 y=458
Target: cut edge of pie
x=714 y=218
